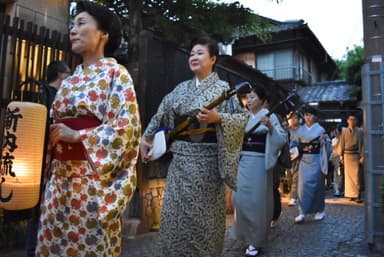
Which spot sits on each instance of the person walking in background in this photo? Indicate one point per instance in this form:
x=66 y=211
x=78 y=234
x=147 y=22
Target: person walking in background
x=253 y=200
x=193 y=212
x=293 y=172
x=57 y=71
x=95 y=144
x=338 y=169
x=352 y=156
x=313 y=164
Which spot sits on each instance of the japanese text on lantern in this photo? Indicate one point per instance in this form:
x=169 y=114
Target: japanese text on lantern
x=9 y=146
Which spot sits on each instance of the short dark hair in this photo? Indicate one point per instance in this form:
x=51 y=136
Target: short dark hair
x=211 y=44
x=310 y=109
x=107 y=21
x=54 y=68
x=261 y=93
x=353 y=114
x=294 y=113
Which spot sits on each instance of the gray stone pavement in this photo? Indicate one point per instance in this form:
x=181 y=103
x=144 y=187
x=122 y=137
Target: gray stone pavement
x=340 y=234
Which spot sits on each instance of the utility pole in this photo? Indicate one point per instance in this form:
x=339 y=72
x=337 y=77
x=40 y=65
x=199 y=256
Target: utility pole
x=373 y=106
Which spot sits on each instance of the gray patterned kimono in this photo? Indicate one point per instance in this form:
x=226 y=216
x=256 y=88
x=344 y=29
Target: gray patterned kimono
x=193 y=212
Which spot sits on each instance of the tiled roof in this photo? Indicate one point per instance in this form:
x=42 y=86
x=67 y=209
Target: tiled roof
x=329 y=91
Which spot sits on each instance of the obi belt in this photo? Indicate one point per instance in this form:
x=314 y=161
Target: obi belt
x=74 y=151
x=312 y=147
x=255 y=143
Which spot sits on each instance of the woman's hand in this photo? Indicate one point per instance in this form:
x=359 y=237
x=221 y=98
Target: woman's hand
x=265 y=121
x=145 y=149
x=61 y=132
x=323 y=139
x=208 y=116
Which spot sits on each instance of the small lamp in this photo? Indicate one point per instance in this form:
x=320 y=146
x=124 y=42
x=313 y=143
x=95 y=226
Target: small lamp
x=22 y=155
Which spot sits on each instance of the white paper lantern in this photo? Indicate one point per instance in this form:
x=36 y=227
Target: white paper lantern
x=22 y=155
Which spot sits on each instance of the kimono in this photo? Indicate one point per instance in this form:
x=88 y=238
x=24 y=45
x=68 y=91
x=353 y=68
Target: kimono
x=193 y=213
x=253 y=200
x=311 y=192
x=84 y=199
x=295 y=165
x=351 y=148
x=337 y=168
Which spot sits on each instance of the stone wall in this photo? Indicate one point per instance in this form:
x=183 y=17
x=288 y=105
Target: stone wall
x=151 y=202
x=150 y=194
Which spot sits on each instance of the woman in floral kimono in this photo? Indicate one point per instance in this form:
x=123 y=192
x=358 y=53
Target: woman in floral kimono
x=94 y=139
x=315 y=147
x=253 y=201
x=193 y=212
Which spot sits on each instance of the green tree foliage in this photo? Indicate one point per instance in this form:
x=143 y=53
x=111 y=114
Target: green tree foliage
x=180 y=20
x=350 y=68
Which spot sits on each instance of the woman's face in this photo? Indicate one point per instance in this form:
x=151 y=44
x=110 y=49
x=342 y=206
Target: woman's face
x=309 y=118
x=85 y=36
x=200 y=61
x=294 y=121
x=254 y=102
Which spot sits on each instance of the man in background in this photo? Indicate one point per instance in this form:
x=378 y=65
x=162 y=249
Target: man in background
x=352 y=156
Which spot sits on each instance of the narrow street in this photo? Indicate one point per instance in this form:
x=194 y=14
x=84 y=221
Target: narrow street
x=340 y=234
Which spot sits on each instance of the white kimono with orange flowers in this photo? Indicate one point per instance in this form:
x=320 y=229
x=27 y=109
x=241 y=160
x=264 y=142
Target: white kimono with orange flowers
x=84 y=199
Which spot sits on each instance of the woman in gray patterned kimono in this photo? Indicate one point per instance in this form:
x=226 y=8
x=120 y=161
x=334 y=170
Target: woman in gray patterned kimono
x=193 y=212
x=253 y=201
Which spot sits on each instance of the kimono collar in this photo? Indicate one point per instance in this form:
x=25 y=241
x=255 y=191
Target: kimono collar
x=99 y=63
x=254 y=118
x=211 y=79
x=313 y=126
x=262 y=112
x=197 y=82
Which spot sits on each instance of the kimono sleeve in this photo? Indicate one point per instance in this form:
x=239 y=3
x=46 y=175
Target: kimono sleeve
x=230 y=134
x=115 y=143
x=276 y=139
x=162 y=118
x=325 y=152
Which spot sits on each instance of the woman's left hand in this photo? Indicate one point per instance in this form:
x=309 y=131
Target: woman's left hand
x=208 y=116
x=267 y=122
x=323 y=139
x=60 y=132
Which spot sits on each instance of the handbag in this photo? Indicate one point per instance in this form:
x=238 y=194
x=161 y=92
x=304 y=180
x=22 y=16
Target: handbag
x=159 y=147
x=294 y=153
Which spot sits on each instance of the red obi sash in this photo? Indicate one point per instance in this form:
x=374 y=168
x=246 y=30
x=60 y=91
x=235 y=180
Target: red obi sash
x=74 y=151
